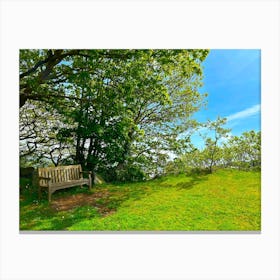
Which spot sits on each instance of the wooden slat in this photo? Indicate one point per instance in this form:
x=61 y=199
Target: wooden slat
x=45 y=175
x=57 y=175
x=52 y=173
x=63 y=176
x=67 y=174
x=71 y=174
x=59 y=172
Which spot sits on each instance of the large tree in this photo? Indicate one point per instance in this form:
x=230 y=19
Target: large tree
x=127 y=106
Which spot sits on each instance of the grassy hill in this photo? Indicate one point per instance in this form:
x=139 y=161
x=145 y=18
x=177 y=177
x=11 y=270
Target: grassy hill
x=224 y=200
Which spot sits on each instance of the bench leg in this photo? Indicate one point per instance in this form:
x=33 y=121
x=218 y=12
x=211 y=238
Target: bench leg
x=49 y=195
x=89 y=182
x=40 y=193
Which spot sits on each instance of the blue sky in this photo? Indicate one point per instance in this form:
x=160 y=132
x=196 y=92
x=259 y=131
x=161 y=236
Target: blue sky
x=232 y=79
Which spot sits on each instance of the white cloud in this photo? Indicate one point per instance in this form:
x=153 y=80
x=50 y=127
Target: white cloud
x=245 y=113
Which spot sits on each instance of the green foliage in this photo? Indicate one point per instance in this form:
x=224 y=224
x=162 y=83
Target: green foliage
x=124 y=173
x=244 y=152
x=236 y=152
x=212 y=152
x=115 y=106
x=40 y=135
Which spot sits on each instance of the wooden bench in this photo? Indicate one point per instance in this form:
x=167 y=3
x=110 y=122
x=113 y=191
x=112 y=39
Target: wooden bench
x=61 y=177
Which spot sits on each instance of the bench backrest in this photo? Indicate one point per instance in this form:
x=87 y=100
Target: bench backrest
x=59 y=174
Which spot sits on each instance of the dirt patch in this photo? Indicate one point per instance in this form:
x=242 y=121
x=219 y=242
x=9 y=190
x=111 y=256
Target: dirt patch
x=82 y=199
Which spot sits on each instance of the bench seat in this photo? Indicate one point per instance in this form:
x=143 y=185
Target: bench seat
x=69 y=183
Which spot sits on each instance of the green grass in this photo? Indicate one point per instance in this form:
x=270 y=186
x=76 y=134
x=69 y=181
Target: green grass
x=224 y=200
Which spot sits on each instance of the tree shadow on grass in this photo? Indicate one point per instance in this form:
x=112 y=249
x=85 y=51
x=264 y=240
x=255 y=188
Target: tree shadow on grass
x=70 y=206
x=44 y=216
x=195 y=179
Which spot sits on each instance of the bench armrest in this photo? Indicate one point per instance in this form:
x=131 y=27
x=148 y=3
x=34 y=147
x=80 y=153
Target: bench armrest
x=89 y=172
x=46 y=178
